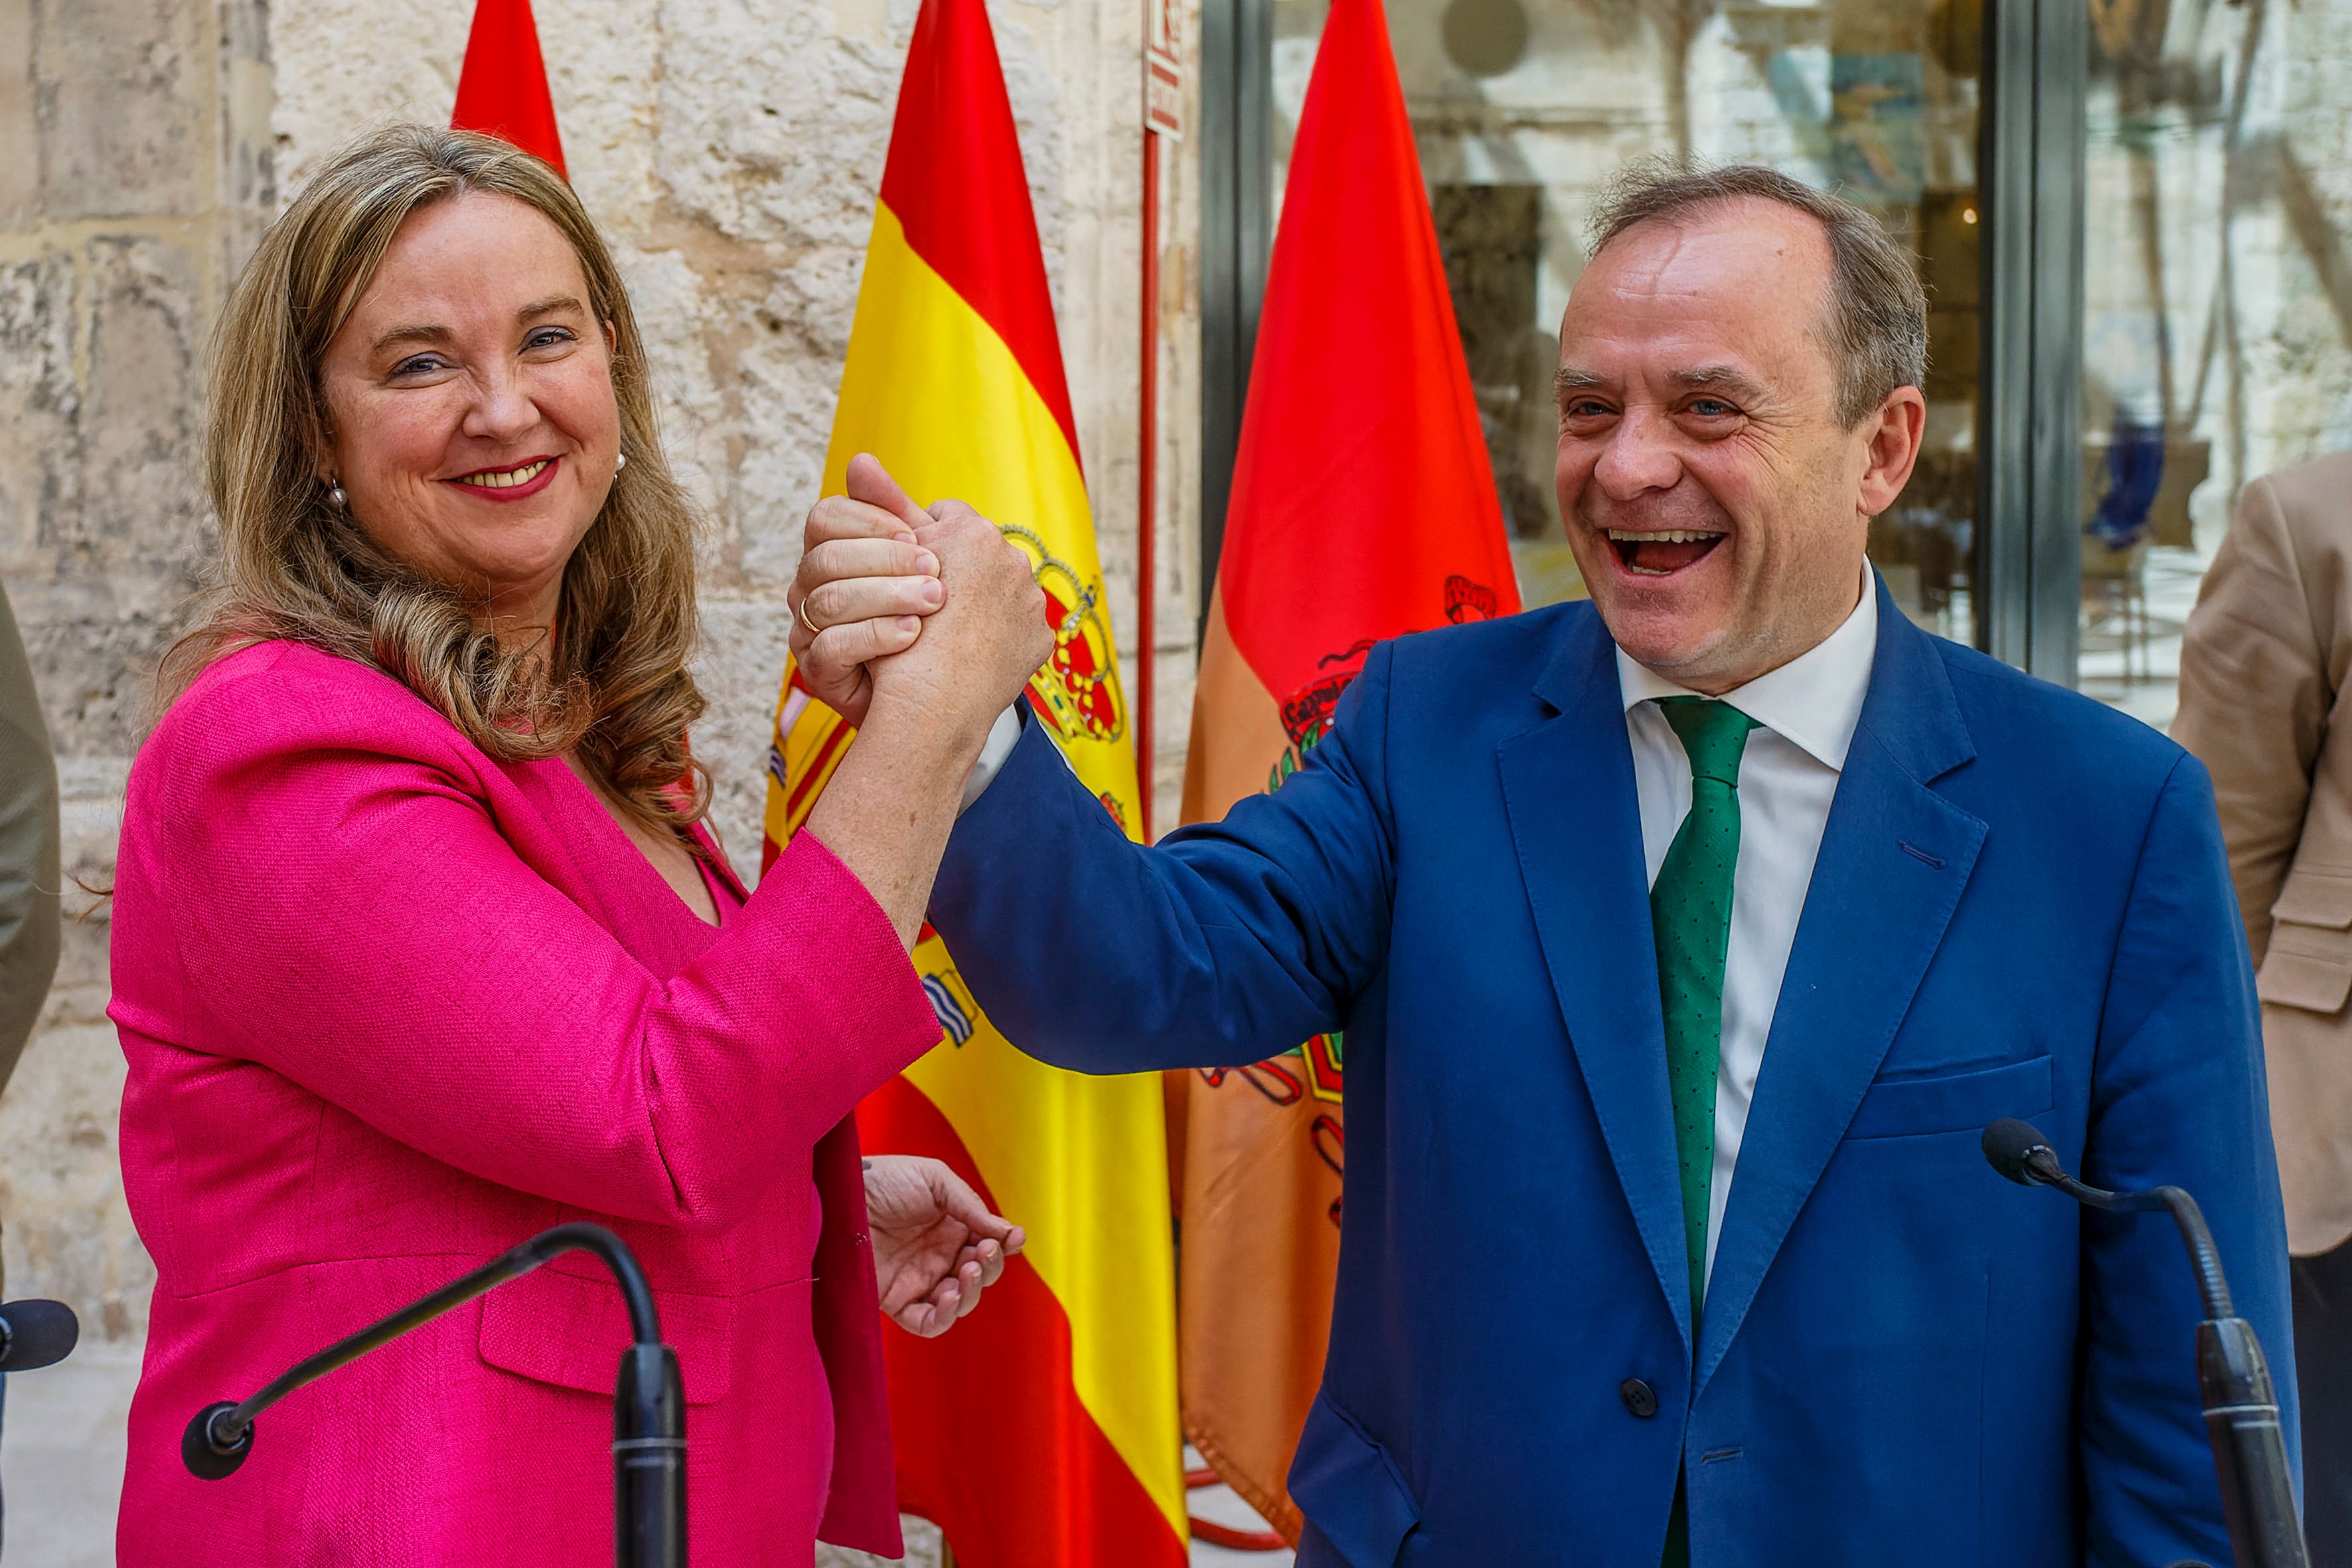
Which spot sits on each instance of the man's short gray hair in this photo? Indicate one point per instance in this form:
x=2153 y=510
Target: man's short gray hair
x=1875 y=323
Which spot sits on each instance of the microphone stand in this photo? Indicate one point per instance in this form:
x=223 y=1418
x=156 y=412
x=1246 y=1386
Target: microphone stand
x=648 y=1406
x=2242 y=1415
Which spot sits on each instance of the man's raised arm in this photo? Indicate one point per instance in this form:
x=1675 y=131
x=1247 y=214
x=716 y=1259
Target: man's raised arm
x=1227 y=943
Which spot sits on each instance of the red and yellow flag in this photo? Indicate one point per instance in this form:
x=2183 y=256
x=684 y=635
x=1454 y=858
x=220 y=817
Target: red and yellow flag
x=1045 y=1428
x=502 y=90
x=1354 y=516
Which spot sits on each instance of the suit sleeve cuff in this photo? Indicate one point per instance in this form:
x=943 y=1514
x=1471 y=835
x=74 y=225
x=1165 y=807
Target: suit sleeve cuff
x=1002 y=736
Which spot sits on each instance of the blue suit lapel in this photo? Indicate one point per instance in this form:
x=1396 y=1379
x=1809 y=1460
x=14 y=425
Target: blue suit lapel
x=1567 y=785
x=1893 y=862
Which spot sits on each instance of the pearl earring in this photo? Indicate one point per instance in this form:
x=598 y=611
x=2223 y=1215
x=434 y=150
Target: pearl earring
x=620 y=461
x=337 y=499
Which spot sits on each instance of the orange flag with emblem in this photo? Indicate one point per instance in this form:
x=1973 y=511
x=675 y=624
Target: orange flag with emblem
x=1352 y=519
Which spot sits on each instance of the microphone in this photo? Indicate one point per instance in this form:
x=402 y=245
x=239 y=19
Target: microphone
x=36 y=1333
x=648 y=1406
x=2241 y=1415
x=2014 y=1148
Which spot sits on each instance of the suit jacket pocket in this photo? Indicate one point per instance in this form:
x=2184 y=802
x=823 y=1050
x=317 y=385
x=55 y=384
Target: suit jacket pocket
x=2309 y=962
x=570 y=1331
x=1345 y=1481
x=1952 y=1102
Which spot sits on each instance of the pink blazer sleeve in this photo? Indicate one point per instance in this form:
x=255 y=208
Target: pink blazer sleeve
x=345 y=909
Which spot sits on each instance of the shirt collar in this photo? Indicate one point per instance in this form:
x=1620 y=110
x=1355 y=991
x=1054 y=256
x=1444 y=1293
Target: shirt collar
x=1813 y=701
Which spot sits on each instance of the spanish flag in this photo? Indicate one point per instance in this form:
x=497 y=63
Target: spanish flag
x=502 y=89
x=1044 y=1429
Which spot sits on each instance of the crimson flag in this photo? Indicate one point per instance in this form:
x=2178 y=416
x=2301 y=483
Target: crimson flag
x=502 y=92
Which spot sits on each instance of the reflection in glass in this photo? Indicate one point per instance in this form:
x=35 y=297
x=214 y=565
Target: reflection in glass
x=1523 y=109
x=2217 y=300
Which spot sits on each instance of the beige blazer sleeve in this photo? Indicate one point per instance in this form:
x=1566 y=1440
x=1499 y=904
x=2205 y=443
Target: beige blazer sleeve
x=2263 y=667
x=2255 y=691
x=29 y=927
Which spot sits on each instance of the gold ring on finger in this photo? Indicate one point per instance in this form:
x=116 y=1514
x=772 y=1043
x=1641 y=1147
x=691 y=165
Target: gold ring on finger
x=813 y=627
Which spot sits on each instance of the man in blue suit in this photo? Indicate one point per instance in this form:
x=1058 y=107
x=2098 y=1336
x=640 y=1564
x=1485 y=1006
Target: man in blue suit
x=1685 y=942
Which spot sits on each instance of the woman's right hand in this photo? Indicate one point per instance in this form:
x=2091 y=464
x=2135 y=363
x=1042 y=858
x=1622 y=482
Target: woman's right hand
x=864 y=583
x=949 y=669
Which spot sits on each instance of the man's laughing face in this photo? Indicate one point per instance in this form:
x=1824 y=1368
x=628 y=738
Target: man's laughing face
x=1715 y=504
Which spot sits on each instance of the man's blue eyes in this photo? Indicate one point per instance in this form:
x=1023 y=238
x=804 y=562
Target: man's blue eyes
x=1704 y=407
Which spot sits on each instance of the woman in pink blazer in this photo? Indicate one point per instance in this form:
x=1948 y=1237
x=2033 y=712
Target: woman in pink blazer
x=420 y=945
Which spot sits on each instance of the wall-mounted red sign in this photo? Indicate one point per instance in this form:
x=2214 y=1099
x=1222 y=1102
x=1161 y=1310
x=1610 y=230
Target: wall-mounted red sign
x=1163 y=68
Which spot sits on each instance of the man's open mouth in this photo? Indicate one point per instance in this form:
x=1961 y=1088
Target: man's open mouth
x=1661 y=552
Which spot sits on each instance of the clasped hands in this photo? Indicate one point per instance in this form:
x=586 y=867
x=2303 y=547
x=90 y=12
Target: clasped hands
x=929 y=613
x=929 y=619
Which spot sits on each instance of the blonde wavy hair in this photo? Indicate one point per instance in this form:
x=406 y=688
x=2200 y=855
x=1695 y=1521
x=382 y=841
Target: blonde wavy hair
x=612 y=681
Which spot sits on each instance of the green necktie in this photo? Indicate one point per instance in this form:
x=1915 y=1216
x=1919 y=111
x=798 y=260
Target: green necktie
x=1690 y=916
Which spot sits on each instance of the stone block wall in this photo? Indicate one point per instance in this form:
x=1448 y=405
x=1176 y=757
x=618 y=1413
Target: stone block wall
x=137 y=178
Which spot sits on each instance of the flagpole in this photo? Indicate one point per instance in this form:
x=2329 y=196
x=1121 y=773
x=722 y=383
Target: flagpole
x=1163 y=120
x=1147 y=516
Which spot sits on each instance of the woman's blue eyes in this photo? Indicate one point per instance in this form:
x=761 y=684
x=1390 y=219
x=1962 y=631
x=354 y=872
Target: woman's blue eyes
x=540 y=338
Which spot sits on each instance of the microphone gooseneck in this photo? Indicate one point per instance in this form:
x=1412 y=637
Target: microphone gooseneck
x=648 y=1410
x=35 y=1333
x=2242 y=1415
x=2018 y=1151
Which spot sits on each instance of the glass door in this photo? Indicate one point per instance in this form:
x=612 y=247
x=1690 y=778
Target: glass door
x=2217 y=300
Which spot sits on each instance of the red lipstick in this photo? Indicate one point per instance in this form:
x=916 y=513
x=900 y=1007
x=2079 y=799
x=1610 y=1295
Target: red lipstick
x=507 y=492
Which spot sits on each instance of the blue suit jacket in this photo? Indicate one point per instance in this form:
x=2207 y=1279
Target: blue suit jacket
x=2020 y=909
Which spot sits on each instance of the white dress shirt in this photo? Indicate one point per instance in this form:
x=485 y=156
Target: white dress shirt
x=1808 y=709
x=1002 y=736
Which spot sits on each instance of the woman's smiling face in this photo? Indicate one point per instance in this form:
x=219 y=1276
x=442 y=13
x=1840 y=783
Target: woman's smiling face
x=470 y=395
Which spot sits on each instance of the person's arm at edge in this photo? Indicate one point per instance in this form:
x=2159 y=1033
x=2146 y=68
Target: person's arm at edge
x=30 y=930
x=1225 y=944
x=2177 y=1096
x=2254 y=700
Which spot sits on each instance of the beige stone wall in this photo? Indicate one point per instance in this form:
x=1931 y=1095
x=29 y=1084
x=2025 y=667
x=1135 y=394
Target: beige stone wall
x=135 y=178
x=731 y=148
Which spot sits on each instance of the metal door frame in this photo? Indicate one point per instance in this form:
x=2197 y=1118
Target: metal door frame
x=1236 y=240
x=2030 y=181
